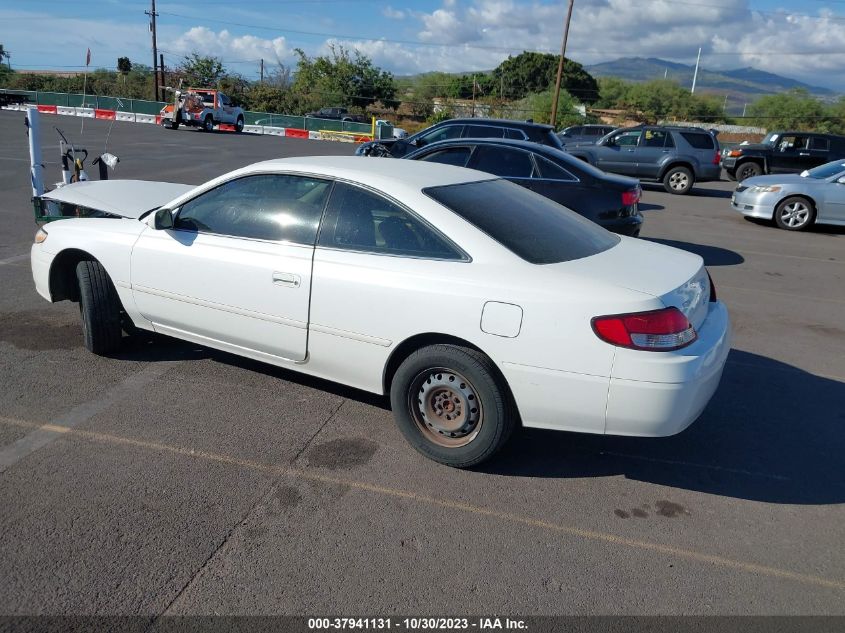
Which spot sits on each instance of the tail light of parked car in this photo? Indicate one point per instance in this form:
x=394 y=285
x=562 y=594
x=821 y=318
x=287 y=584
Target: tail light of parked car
x=655 y=331
x=631 y=197
x=717 y=158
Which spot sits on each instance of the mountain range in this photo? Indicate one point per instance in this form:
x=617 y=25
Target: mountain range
x=740 y=86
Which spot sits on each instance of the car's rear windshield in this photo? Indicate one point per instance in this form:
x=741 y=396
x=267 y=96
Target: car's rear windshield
x=533 y=227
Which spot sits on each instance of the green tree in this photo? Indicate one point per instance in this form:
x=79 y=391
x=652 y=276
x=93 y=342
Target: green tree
x=796 y=109
x=342 y=79
x=202 y=71
x=537 y=72
x=612 y=92
x=538 y=106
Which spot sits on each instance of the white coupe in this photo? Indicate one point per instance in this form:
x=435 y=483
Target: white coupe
x=474 y=303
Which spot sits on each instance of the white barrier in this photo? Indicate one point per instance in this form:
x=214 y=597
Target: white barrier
x=145 y=118
x=274 y=131
x=124 y=116
x=314 y=136
x=66 y=110
x=254 y=129
x=88 y=113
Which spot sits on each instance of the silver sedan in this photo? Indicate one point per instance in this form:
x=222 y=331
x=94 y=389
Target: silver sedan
x=795 y=201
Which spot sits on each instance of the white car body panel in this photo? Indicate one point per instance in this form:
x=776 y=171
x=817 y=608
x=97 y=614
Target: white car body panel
x=126 y=198
x=344 y=315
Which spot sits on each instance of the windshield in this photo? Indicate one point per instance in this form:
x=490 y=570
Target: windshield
x=770 y=138
x=829 y=170
x=529 y=225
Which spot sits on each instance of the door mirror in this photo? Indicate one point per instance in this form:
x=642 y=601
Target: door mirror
x=610 y=140
x=163 y=220
x=841 y=180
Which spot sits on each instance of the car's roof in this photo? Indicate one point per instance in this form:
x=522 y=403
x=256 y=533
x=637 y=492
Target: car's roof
x=373 y=170
x=503 y=122
x=531 y=146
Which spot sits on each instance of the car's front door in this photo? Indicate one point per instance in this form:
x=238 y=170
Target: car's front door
x=235 y=269
x=786 y=157
x=618 y=155
x=653 y=147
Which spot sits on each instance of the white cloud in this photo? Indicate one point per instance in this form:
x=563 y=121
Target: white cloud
x=393 y=14
x=224 y=45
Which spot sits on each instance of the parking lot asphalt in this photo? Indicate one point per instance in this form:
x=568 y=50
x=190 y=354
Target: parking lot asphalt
x=173 y=479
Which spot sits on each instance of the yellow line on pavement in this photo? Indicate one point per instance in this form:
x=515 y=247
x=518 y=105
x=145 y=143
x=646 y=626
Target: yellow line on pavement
x=297 y=473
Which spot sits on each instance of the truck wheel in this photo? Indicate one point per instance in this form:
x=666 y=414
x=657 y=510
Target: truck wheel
x=678 y=180
x=748 y=170
x=99 y=307
x=795 y=214
x=239 y=125
x=208 y=123
x=452 y=405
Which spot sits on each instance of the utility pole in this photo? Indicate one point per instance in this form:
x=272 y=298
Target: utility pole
x=560 y=63
x=153 y=15
x=262 y=70
x=744 y=105
x=163 y=82
x=695 y=74
x=725 y=107
x=473 y=95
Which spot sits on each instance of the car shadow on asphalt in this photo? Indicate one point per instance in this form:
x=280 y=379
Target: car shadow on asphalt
x=712 y=255
x=771 y=433
x=645 y=206
x=697 y=191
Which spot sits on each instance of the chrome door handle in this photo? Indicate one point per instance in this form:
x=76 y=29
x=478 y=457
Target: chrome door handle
x=630 y=150
x=286 y=279
x=803 y=153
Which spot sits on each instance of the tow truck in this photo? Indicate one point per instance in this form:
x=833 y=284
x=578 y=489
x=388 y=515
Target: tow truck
x=203 y=108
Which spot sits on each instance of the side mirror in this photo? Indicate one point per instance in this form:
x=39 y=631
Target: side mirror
x=163 y=220
x=840 y=180
x=608 y=141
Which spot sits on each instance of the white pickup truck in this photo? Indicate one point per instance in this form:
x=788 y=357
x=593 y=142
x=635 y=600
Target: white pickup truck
x=202 y=108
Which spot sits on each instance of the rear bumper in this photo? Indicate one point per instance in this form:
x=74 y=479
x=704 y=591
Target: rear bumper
x=709 y=172
x=655 y=394
x=629 y=226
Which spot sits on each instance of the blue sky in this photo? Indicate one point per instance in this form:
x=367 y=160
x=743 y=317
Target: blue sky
x=801 y=39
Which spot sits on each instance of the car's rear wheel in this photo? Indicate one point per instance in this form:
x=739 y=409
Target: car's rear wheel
x=451 y=405
x=678 y=180
x=748 y=170
x=208 y=124
x=99 y=307
x=795 y=214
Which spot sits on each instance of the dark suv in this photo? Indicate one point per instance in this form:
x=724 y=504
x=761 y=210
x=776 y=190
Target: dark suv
x=782 y=153
x=676 y=156
x=462 y=128
x=584 y=133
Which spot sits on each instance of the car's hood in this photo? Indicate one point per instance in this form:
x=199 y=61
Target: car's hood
x=753 y=146
x=125 y=198
x=778 y=179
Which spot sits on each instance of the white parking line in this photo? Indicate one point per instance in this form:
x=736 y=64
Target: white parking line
x=14 y=259
x=40 y=437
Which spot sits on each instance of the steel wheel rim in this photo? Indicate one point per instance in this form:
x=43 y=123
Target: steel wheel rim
x=746 y=172
x=445 y=407
x=795 y=214
x=678 y=181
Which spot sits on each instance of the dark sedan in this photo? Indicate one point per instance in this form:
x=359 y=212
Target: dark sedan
x=607 y=199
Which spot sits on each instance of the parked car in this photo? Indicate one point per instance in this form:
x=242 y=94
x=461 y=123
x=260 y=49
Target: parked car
x=462 y=128
x=606 y=199
x=476 y=304
x=338 y=114
x=676 y=156
x=202 y=108
x=584 y=133
x=795 y=201
x=782 y=153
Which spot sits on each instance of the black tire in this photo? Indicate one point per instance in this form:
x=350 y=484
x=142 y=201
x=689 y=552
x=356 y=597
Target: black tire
x=208 y=124
x=239 y=125
x=795 y=214
x=678 y=180
x=441 y=375
x=99 y=307
x=747 y=170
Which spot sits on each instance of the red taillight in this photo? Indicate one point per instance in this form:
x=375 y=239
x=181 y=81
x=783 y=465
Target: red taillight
x=631 y=197
x=712 y=287
x=657 y=331
x=717 y=158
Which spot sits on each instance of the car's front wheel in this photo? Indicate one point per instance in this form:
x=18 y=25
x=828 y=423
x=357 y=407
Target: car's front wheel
x=239 y=125
x=795 y=214
x=678 y=180
x=748 y=170
x=452 y=405
x=99 y=307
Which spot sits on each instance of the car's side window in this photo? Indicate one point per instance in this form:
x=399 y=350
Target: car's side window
x=518 y=135
x=440 y=134
x=551 y=171
x=360 y=220
x=267 y=206
x=483 y=131
x=457 y=156
x=817 y=142
x=628 y=139
x=655 y=138
x=505 y=162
